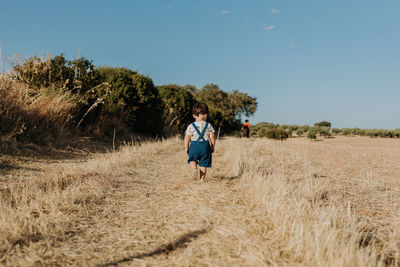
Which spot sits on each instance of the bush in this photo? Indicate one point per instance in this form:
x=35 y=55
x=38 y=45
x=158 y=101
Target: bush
x=289 y=131
x=59 y=75
x=346 y=131
x=305 y=128
x=133 y=98
x=277 y=134
x=299 y=132
x=39 y=118
x=107 y=99
x=78 y=75
x=371 y=133
x=262 y=132
x=325 y=131
x=177 y=106
x=336 y=131
x=323 y=124
x=311 y=135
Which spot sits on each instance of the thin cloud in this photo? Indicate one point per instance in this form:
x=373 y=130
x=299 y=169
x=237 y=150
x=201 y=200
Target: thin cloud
x=268 y=27
x=224 y=12
x=292 y=46
x=170 y=6
x=275 y=11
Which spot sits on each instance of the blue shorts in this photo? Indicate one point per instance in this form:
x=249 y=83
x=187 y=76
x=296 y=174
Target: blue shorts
x=200 y=152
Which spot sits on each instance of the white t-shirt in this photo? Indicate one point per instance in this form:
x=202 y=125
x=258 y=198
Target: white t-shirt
x=191 y=131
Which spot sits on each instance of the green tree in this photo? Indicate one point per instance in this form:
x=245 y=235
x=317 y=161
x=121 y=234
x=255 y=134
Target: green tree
x=133 y=98
x=221 y=113
x=226 y=109
x=242 y=103
x=190 y=88
x=323 y=124
x=177 y=105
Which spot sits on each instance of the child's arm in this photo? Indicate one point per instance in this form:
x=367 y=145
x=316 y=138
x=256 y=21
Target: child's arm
x=187 y=142
x=212 y=141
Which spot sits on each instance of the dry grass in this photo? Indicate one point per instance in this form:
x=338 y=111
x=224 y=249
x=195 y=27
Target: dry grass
x=298 y=202
x=34 y=114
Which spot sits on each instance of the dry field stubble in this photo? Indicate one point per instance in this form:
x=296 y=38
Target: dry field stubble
x=298 y=202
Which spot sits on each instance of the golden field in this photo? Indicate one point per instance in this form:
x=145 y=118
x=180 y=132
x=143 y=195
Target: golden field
x=332 y=202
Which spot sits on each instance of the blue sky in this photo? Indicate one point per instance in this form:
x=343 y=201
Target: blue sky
x=305 y=61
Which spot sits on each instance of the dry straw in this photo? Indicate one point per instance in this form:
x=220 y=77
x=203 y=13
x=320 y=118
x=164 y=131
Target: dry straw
x=267 y=203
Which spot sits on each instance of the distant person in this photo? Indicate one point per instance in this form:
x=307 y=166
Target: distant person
x=200 y=141
x=246 y=129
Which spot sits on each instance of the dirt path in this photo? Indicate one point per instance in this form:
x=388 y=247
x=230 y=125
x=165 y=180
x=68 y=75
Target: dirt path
x=162 y=213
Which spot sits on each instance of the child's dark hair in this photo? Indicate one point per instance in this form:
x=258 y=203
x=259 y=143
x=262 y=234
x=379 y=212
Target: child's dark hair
x=200 y=108
x=246 y=121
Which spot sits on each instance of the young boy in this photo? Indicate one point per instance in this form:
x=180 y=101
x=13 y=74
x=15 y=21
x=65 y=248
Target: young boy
x=200 y=141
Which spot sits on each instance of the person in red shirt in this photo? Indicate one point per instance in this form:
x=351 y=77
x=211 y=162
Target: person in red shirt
x=246 y=129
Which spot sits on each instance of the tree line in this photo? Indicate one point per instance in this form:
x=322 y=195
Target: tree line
x=323 y=128
x=111 y=100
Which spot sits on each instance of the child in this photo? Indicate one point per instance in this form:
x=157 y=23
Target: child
x=246 y=129
x=200 y=141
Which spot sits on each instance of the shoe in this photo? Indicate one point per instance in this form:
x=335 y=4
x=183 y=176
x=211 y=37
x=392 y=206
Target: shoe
x=195 y=175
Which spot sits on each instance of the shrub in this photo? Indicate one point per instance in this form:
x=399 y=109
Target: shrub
x=299 y=132
x=323 y=124
x=371 y=132
x=133 y=98
x=358 y=131
x=277 y=134
x=177 y=106
x=78 y=75
x=346 y=131
x=39 y=118
x=262 y=132
x=289 y=131
x=325 y=131
x=59 y=75
x=336 y=130
x=306 y=128
x=311 y=135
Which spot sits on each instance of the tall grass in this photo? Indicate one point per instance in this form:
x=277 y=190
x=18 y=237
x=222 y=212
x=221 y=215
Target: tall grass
x=266 y=203
x=34 y=115
x=293 y=216
x=50 y=207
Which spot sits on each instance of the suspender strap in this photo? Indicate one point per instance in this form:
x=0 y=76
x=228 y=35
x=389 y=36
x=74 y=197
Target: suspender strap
x=201 y=135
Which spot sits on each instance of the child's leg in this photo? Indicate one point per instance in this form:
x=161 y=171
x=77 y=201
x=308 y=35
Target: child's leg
x=203 y=172
x=193 y=165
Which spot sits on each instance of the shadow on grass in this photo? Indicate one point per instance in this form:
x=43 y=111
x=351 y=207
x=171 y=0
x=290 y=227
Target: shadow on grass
x=224 y=177
x=73 y=148
x=6 y=166
x=164 y=249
